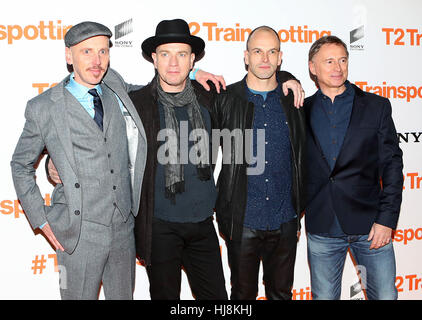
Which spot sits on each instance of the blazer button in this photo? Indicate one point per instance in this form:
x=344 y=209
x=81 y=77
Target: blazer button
x=77 y=185
x=332 y=179
x=77 y=212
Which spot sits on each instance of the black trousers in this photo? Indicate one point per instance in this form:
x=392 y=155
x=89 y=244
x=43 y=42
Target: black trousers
x=193 y=246
x=276 y=249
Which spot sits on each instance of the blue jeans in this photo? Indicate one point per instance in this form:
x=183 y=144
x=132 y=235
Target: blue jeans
x=326 y=257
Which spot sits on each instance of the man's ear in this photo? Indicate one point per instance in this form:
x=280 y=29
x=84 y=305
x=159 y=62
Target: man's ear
x=192 y=60
x=280 y=58
x=154 y=59
x=68 y=55
x=246 y=57
x=311 y=67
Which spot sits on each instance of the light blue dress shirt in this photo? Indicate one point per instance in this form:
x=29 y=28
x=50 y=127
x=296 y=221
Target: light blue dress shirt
x=80 y=92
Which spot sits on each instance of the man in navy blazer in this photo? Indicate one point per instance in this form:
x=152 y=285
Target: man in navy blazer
x=355 y=179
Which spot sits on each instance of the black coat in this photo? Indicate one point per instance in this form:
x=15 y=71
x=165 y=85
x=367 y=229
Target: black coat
x=145 y=101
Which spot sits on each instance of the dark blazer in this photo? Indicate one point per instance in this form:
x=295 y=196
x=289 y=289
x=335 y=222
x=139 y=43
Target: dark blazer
x=366 y=183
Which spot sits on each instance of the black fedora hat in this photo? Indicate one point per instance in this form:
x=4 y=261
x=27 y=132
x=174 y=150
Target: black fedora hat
x=173 y=31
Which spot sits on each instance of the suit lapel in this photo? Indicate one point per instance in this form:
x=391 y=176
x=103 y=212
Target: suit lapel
x=314 y=139
x=123 y=96
x=60 y=120
x=354 y=121
x=110 y=106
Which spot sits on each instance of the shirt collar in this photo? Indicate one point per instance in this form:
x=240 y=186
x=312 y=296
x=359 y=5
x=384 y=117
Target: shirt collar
x=349 y=91
x=79 y=90
x=250 y=92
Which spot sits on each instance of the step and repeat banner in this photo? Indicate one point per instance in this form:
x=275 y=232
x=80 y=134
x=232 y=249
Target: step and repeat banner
x=384 y=40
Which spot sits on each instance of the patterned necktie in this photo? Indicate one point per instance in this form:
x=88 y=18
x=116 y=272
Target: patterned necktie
x=98 y=107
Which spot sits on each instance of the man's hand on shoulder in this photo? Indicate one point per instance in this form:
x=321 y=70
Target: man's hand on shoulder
x=202 y=77
x=298 y=92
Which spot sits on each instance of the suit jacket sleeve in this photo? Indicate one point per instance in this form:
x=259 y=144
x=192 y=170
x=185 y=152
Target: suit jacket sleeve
x=391 y=170
x=127 y=86
x=27 y=152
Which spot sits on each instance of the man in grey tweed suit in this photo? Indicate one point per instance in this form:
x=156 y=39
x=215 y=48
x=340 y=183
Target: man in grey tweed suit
x=97 y=143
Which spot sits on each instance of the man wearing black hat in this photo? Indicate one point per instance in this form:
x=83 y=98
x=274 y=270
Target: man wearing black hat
x=84 y=122
x=175 y=228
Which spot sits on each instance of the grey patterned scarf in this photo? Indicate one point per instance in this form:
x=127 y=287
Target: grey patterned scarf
x=173 y=168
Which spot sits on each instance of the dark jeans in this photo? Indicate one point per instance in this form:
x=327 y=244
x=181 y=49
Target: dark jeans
x=193 y=246
x=277 y=249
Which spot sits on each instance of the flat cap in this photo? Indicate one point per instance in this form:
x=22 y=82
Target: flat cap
x=84 y=30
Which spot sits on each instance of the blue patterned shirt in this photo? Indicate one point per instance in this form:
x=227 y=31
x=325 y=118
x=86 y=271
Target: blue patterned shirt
x=269 y=197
